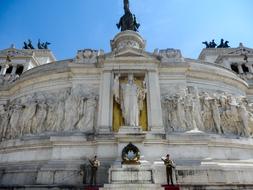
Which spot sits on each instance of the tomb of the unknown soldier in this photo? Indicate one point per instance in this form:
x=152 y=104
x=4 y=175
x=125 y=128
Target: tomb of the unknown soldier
x=128 y=119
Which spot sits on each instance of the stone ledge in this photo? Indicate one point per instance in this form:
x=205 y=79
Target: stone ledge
x=132 y=187
x=216 y=187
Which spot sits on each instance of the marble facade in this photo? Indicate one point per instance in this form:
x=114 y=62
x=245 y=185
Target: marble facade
x=58 y=114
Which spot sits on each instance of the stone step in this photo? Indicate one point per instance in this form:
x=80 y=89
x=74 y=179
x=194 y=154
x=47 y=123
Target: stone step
x=92 y=188
x=171 y=187
x=132 y=187
x=49 y=187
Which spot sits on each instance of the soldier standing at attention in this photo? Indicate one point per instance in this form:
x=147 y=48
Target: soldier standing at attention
x=169 y=166
x=94 y=164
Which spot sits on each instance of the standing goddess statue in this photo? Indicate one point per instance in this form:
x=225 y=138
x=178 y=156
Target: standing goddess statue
x=130 y=97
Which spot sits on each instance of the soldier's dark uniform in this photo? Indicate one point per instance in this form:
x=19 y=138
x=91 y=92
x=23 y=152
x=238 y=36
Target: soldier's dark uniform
x=94 y=163
x=169 y=168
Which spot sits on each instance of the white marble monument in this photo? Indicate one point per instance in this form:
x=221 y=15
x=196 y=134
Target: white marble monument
x=55 y=115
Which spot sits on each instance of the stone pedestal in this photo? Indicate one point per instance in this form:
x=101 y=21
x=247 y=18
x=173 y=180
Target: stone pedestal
x=130 y=134
x=130 y=130
x=134 y=177
x=129 y=174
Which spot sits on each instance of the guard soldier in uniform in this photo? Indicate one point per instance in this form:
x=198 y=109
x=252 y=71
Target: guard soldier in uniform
x=83 y=172
x=94 y=164
x=169 y=168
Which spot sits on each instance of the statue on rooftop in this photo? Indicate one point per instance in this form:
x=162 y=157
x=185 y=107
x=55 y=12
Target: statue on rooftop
x=39 y=45
x=206 y=43
x=30 y=46
x=43 y=45
x=212 y=44
x=221 y=44
x=226 y=44
x=128 y=20
x=25 y=46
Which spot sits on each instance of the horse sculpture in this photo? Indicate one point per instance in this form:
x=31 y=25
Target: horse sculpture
x=226 y=44
x=221 y=44
x=206 y=43
x=25 y=46
x=45 y=45
x=28 y=45
x=212 y=44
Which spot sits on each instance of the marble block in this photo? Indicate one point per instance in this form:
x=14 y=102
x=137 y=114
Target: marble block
x=130 y=129
x=130 y=134
x=128 y=174
x=134 y=177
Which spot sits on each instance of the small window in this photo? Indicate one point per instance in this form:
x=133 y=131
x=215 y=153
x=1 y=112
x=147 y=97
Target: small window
x=20 y=69
x=234 y=67
x=9 y=70
x=245 y=68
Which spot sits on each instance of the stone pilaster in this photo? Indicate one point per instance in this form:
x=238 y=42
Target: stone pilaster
x=240 y=69
x=14 y=69
x=5 y=67
x=155 y=119
x=105 y=114
x=250 y=67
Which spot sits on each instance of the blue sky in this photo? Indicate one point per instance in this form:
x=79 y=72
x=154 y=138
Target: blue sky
x=77 y=24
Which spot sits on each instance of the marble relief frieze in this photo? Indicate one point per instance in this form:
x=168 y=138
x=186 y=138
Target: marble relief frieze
x=67 y=110
x=219 y=113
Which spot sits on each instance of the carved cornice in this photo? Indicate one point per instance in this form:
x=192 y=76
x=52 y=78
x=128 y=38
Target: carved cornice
x=16 y=53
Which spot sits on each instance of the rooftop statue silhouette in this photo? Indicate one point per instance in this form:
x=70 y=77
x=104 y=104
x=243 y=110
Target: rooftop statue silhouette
x=212 y=44
x=128 y=20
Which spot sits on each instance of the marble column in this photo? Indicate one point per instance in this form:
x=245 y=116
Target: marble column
x=249 y=67
x=14 y=69
x=105 y=114
x=155 y=120
x=5 y=67
x=240 y=69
